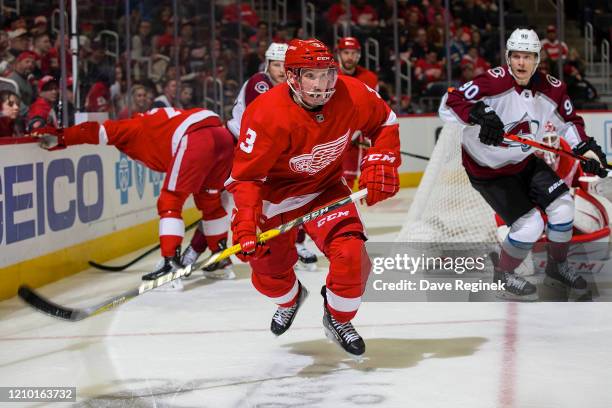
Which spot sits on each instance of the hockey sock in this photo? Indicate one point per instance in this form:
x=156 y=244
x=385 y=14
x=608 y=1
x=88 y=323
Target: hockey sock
x=512 y=254
x=301 y=236
x=198 y=241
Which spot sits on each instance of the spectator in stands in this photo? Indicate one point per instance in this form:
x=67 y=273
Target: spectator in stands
x=578 y=88
x=467 y=73
x=281 y=34
x=41 y=112
x=428 y=70
x=161 y=21
x=556 y=50
x=479 y=64
x=260 y=35
x=98 y=98
x=436 y=32
x=9 y=115
x=186 y=96
x=42 y=47
x=139 y=102
x=167 y=98
x=19 y=40
x=118 y=90
x=98 y=65
x=473 y=15
x=6 y=58
x=460 y=44
x=248 y=15
x=413 y=25
x=256 y=59
x=41 y=26
x=435 y=7
x=339 y=13
x=421 y=47
x=366 y=15
x=22 y=68
x=142 y=45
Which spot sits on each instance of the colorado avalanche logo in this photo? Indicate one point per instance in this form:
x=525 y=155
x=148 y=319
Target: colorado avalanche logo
x=526 y=128
x=262 y=87
x=322 y=156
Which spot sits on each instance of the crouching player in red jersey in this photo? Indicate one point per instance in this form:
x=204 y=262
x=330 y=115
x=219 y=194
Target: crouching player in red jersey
x=288 y=162
x=194 y=150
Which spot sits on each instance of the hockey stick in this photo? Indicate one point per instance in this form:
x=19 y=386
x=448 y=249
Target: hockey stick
x=41 y=304
x=545 y=147
x=119 y=268
x=417 y=156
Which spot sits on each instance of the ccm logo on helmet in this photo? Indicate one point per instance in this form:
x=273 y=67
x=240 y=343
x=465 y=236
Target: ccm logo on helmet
x=380 y=157
x=332 y=217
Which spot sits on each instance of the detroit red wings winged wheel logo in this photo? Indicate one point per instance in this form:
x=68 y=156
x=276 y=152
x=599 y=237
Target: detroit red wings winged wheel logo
x=321 y=156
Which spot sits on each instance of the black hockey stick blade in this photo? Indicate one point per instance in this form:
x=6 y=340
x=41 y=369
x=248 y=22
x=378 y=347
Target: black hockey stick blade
x=119 y=268
x=75 y=314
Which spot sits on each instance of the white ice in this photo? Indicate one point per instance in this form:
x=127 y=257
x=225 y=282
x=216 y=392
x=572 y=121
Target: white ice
x=210 y=346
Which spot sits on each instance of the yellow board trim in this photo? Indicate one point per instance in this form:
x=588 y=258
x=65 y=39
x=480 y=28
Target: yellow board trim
x=68 y=261
x=410 y=179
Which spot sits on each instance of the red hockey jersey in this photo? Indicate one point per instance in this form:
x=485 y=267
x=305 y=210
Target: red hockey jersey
x=151 y=138
x=364 y=75
x=297 y=153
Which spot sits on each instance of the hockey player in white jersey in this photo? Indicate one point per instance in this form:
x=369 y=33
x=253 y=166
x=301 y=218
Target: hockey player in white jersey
x=518 y=99
x=261 y=82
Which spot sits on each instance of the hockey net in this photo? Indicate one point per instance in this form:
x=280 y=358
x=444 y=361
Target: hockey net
x=446 y=208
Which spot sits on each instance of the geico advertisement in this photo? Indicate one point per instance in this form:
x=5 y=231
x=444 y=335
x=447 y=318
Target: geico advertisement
x=51 y=200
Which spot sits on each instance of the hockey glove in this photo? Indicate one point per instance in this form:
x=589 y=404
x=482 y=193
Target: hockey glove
x=491 y=127
x=379 y=174
x=592 y=166
x=50 y=138
x=244 y=231
x=590 y=145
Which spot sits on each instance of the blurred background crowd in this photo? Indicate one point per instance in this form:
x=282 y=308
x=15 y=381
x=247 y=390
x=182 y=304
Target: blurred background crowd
x=125 y=57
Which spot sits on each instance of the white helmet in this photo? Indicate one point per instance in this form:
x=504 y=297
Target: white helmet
x=275 y=52
x=525 y=40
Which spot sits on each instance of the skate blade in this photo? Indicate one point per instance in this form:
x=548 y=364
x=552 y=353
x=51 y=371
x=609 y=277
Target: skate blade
x=220 y=274
x=332 y=339
x=502 y=294
x=306 y=267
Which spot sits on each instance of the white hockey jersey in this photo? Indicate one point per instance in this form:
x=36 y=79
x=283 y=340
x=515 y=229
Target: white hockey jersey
x=525 y=111
x=256 y=85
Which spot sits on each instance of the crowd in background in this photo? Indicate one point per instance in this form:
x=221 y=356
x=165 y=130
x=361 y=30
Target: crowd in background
x=30 y=56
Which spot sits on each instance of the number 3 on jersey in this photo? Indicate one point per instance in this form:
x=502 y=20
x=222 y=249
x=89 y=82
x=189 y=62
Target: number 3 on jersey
x=247 y=145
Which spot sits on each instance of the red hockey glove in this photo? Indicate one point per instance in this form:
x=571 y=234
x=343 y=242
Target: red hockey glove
x=379 y=174
x=50 y=138
x=245 y=223
x=246 y=219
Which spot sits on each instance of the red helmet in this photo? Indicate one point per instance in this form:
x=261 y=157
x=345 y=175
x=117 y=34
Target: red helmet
x=348 y=43
x=310 y=53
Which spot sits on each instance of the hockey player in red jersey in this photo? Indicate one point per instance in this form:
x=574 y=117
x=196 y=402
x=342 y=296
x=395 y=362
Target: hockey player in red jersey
x=348 y=53
x=191 y=147
x=515 y=183
x=288 y=161
x=261 y=82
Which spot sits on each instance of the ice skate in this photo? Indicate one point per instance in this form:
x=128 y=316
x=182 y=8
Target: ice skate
x=343 y=334
x=189 y=257
x=283 y=317
x=307 y=260
x=561 y=276
x=222 y=269
x=515 y=287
